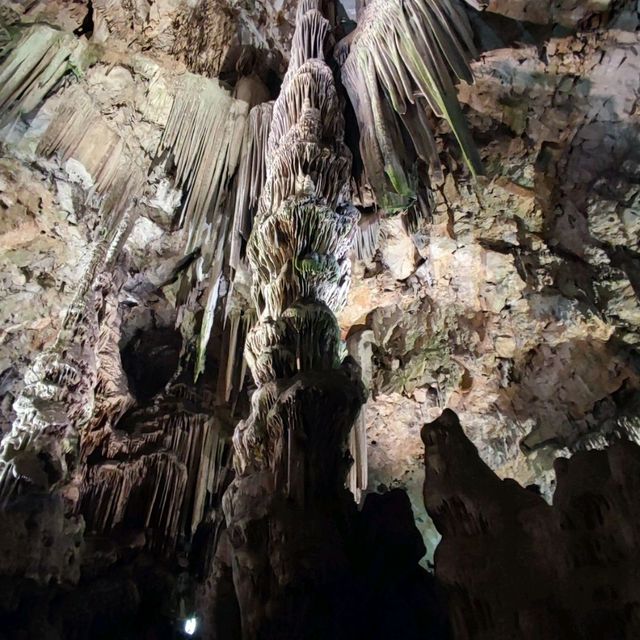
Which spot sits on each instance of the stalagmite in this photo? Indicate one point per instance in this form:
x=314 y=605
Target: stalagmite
x=287 y=506
x=511 y=562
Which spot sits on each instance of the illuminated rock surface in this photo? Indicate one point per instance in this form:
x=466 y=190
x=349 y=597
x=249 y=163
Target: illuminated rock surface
x=511 y=299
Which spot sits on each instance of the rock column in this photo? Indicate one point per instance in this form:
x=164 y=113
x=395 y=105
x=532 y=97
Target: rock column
x=42 y=537
x=288 y=512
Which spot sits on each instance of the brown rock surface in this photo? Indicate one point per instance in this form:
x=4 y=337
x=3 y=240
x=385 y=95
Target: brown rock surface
x=516 y=303
x=516 y=567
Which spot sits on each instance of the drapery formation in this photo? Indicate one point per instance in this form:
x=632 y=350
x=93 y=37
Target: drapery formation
x=39 y=456
x=67 y=456
x=157 y=472
x=40 y=57
x=398 y=68
x=286 y=508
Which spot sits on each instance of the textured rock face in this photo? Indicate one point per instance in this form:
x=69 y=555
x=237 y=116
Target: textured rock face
x=521 y=311
x=515 y=283
x=514 y=566
x=83 y=487
x=514 y=302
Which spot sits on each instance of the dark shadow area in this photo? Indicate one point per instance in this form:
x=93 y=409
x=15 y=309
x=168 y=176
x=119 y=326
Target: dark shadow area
x=150 y=359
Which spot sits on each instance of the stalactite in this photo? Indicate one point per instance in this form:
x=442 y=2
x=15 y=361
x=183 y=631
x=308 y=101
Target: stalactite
x=204 y=135
x=158 y=475
x=359 y=345
x=358 y=477
x=251 y=179
x=407 y=52
x=147 y=490
x=238 y=324
x=78 y=131
x=34 y=64
x=368 y=239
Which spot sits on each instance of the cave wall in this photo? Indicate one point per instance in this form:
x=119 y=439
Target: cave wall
x=516 y=304
x=515 y=566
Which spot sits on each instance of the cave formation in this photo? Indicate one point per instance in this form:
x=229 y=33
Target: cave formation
x=320 y=320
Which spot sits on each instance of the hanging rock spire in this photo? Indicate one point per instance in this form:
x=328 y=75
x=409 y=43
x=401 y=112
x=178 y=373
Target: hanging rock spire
x=399 y=67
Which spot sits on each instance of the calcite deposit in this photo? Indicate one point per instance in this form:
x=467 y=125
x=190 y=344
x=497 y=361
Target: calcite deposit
x=189 y=192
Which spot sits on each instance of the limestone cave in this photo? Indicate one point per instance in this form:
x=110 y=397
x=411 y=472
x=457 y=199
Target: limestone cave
x=320 y=319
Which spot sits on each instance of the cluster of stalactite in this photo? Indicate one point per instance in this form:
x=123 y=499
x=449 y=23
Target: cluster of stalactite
x=78 y=131
x=40 y=57
x=517 y=567
x=162 y=474
x=204 y=136
x=285 y=507
x=156 y=471
x=252 y=175
x=200 y=148
x=397 y=67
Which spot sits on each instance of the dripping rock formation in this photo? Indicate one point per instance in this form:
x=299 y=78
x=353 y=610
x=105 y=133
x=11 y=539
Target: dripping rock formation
x=247 y=252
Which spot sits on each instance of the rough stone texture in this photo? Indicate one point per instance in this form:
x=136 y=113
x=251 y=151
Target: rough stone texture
x=516 y=567
x=521 y=313
x=41 y=256
x=552 y=232
x=518 y=306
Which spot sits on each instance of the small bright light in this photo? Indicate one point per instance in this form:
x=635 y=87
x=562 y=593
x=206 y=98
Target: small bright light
x=190 y=625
